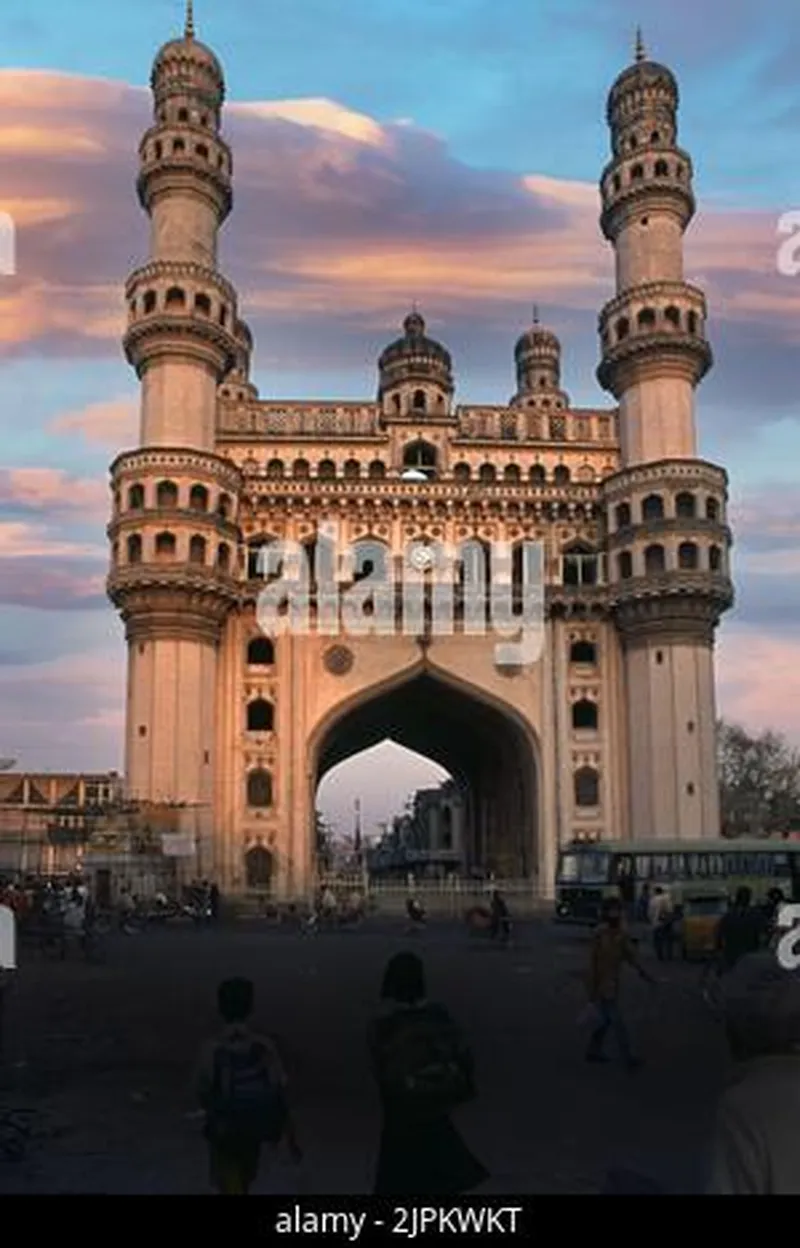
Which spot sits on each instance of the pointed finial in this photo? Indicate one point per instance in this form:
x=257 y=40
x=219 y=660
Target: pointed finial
x=640 y=48
x=188 y=29
x=536 y=314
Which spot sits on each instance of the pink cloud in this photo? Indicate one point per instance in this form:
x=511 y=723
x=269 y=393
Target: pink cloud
x=334 y=211
x=759 y=680
x=111 y=423
x=52 y=490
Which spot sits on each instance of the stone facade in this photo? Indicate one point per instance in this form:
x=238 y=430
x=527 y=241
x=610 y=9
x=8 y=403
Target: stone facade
x=611 y=731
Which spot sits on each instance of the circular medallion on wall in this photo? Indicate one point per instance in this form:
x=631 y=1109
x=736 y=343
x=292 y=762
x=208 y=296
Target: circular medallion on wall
x=338 y=660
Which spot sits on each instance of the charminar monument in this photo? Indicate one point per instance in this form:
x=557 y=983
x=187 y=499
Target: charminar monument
x=610 y=732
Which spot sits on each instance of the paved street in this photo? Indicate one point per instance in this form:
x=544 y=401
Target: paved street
x=106 y=1052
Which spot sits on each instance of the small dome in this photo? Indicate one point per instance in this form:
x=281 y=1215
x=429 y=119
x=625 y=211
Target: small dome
x=537 y=340
x=415 y=343
x=191 y=50
x=641 y=76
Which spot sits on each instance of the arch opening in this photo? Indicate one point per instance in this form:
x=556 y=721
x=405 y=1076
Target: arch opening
x=486 y=750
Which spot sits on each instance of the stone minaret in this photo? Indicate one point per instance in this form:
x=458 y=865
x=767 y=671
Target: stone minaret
x=173 y=533
x=666 y=509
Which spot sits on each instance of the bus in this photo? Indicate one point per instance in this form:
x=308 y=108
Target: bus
x=588 y=872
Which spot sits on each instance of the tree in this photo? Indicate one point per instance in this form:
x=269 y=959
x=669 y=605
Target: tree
x=759 y=782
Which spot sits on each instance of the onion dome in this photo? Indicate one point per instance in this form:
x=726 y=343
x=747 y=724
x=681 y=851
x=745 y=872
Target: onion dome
x=187 y=65
x=538 y=358
x=415 y=357
x=642 y=85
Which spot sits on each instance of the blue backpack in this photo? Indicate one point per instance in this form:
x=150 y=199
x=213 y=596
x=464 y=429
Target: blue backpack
x=246 y=1103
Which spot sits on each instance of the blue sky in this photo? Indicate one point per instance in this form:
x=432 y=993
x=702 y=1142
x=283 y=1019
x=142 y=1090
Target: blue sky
x=467 y=100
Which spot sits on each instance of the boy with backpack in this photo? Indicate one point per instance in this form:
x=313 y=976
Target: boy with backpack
x=424 y=1071
x=241 y=1086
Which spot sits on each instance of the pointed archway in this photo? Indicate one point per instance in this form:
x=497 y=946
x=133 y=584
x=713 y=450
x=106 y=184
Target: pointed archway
x=486 y=747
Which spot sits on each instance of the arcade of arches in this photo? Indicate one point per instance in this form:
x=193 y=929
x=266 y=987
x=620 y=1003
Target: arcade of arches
x=489 y=755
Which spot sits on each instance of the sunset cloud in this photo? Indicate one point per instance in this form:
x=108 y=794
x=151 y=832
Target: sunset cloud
x=112 y=423
x=51 y=490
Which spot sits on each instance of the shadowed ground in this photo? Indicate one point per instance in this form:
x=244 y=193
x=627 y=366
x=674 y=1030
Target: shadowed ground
x=105 y=1053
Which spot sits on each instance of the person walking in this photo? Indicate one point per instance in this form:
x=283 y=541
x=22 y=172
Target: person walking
x=424 y=1070
x=241 y=1086
x=756 y=1143
x=612 y=949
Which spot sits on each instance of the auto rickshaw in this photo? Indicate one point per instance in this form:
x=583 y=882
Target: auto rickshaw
x=701 y=914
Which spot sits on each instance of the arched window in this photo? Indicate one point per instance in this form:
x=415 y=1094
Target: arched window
x=712 y=509
x=587 y=787
x=134 y=548
x=150 y=300
x=637 y=172
x=419 y=402
x=275 y=469
x=326 y=470
x=202 y=151
x=625 y=565
x=653 y=508
x=224 y=506
x=377 y=470
x=646 y=318
x=688 y=556
x=561 y=475
x=420 y=456
x=487 y=474
x=537 y=474
x=672 y=316
x=351 y=470
x=511 y=474
x=259 y=788
x=166 y=494
x=623 y=515
x=260 y=652
x=183 y=114
x=258 y=868
x=462 y=472
x=654 y=559
x=714 y=558
x=136 y=497
x=584 y=714
x=685 y=505
x=301 y=470
x=165 y=546
x=198 y=498
x=371 y=558
x=583 y=652
x=691 y=322
x=623 y=328
x=261 y=564
x=579 y=564
x=260 y=716
x=175 y=298
x=224 y=557
x=661 y=169
x=202 y=304
x=197 y=549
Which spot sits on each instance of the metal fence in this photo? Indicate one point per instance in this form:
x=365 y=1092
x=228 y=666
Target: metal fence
x=452 y=897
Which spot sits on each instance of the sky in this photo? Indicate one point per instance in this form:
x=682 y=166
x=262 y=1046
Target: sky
x=444 y=151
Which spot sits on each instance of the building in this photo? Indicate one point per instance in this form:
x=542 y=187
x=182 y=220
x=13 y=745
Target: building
x=47 y=819
x=427 y=840
x=611 y=731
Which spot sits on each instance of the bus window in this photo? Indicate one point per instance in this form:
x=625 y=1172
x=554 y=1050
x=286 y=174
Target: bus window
x=661 y=866
x=595 y=868
x=643 y=864
x=569 y=869
x=621 y=867
x=677 y=866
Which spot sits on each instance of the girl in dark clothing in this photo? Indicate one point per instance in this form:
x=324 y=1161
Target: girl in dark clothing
x=421 y=1152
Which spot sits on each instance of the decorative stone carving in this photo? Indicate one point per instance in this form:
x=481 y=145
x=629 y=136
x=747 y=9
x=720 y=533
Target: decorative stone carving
x=338 y=660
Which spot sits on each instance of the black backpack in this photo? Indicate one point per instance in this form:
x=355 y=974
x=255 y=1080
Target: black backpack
x=246 y=1103
x=424 y=1062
